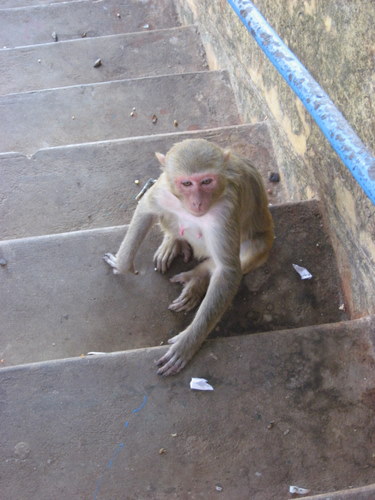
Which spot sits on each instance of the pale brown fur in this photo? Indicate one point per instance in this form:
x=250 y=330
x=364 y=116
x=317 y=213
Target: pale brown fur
x=230 y=239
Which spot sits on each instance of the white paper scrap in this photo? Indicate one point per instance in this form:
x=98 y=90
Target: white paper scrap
x=200 y=384
x=304 y=273
x=297 y=490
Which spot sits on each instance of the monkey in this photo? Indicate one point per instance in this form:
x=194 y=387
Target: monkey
x=211 y=205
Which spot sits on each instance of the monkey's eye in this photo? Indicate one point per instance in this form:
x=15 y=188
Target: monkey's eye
x=206 y=182
x=186 y=183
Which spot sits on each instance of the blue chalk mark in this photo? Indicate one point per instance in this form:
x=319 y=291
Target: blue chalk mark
x=136 y=410
x=117 y=450
x=115 y=454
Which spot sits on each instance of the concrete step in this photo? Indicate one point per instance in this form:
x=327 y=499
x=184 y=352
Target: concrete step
x=288 y=408
x=7 y=4
x=92 y=185
x=69 y=20
x=101 y=111
x=158 y=52
x=361 y=493
x=59 y=298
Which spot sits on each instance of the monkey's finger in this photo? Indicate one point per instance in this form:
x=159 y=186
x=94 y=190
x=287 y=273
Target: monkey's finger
x=176 y=368
x=110 y=259
x=181 y=278
x=164 y=359
x=171 y=367
x=187 y=253
x=178 y=304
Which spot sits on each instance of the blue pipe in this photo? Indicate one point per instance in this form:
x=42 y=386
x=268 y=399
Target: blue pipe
x=339 y=133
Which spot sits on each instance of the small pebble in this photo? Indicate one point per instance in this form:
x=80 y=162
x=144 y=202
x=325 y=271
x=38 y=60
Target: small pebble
x=162 y=451
x=84 y=34
x=97 y=63
x=3 y=262
x=274 y=177
x=146 y=26
x=54 y=36
x=118 y=15
x=175 y=123
x=154 y=119
x=137 y=181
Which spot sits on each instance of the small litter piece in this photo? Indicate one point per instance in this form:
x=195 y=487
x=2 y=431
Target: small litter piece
x=95 y=353
x=200 y=384
x=97 y=63
x=218 y=487
x=298 y=491
x=154 y=119
x=54 y=36
x=145 y=188
x=162 y=451
x=303 y=272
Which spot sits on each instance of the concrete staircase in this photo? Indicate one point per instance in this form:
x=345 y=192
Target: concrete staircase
x=294 y=378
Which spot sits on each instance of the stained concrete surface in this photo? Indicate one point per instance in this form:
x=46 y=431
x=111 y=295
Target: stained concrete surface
x=59 y=299
x=158 y=52
x=70 y=20
x=289 y=408
x=101 y=111
x=47 y=194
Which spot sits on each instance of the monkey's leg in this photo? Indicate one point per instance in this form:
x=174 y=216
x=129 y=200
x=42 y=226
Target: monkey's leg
x=254 y=252
x=168 y=251
x=195 y=284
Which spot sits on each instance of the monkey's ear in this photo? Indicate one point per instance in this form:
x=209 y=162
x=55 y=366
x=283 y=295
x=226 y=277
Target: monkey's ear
x=226 y=155
x=161 y=159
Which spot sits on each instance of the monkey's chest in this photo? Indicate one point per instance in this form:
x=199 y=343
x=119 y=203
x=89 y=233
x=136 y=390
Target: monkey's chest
x=193 y=231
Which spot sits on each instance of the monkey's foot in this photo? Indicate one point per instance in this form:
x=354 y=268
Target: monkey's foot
x=168 y=251
x=194 y=289
x=110 y=259
x=177 y=356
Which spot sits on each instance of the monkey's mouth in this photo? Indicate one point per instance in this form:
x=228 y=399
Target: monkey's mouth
x=198 y=213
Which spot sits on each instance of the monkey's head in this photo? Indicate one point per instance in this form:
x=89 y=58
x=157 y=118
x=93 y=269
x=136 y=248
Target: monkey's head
x=195 y=170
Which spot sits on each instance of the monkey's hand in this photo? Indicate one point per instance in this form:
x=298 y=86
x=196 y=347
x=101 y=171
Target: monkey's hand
x=194 y=288
x=177 y=356
x=111 y=260
x=168 y=251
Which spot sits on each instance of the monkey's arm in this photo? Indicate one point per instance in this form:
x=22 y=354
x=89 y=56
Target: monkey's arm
x=141 y=222
x=225 y=279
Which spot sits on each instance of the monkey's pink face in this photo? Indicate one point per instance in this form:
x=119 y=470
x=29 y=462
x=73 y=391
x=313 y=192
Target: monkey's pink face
x=198 y=191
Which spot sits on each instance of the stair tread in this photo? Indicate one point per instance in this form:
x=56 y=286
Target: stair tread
x=95 y=182
x=151 y=53
x=60 y=299
x=101 y=111
x=291 y=407
x=16 y=4
x=90 y=18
